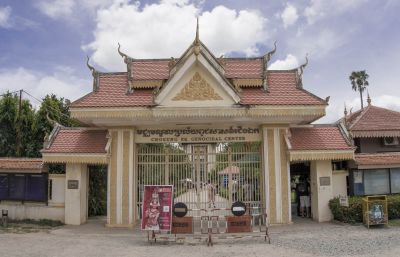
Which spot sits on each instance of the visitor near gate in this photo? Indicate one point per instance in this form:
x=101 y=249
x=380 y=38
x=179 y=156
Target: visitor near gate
x=303 y=191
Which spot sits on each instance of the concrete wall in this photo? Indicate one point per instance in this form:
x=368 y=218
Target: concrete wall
x=35 y=211
x=339 y=184
x=321 y=194
x=53 y=211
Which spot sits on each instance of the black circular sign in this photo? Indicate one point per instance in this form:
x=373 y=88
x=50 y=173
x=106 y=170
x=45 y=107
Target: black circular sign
x=180 y=210
x=238 y=208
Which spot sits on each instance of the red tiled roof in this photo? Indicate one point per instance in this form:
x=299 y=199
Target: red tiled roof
x=78 y=140
x=244 y=68
x=282 y=90
x=378 y=159
x=112 y=92
x=150 y=70
x=318 y=138
x=21 y=163
x=373 y=118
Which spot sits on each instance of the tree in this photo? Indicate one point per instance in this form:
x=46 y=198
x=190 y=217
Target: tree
x=8 y=114
x=359 y=83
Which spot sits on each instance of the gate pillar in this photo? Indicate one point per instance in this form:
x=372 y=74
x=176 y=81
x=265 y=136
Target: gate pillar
x=76 y=194
x=121 y=187
x=276 y=174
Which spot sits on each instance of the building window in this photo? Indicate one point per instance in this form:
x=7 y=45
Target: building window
x=376 y=182
x=395 y=180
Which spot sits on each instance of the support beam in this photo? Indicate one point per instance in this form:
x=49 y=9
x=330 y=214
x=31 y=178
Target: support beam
x=76 y=194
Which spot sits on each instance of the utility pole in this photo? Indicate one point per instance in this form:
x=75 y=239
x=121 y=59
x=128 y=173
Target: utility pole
x=18 y=129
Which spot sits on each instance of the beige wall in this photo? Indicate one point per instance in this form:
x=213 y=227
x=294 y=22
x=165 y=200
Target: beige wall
x=35 y=211
x=121 y=189
x=76 y=201
x=320 y=195
x=58 y=190
x=339 y=185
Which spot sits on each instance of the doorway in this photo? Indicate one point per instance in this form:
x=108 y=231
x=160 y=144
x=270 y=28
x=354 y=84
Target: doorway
x=300 y=190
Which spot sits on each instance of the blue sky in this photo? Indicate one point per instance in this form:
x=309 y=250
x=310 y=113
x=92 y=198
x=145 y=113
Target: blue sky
x=44 y=43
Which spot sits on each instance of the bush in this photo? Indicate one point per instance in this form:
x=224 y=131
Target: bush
x=353 y=213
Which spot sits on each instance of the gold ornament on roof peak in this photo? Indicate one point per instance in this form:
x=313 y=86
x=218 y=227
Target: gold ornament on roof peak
x=197 y=89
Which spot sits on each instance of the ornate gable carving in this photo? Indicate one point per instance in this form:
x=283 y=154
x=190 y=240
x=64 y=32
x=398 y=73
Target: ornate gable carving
x=197 y=89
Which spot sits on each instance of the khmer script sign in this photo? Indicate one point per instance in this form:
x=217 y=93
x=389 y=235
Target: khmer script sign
x=198 y=134
x=157 y=207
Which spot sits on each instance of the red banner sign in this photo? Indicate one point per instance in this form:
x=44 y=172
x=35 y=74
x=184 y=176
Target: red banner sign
x=157 y=207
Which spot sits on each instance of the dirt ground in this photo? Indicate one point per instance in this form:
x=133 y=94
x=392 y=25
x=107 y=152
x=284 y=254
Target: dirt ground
x=303 y=238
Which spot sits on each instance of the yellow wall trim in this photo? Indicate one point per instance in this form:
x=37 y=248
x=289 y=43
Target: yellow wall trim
x=321 y=155
x=75 y=158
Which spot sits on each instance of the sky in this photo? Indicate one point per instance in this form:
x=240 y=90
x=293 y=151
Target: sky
x=44 y=43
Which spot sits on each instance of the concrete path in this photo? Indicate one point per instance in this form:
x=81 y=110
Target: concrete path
x=304 y=238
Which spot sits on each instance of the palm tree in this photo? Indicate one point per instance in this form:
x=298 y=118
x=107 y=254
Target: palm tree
x=359 y=82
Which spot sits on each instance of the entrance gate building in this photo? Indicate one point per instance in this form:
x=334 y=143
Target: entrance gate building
x=218 y=129
x=204 y=176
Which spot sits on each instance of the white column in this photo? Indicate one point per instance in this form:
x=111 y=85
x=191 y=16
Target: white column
x=76 y=194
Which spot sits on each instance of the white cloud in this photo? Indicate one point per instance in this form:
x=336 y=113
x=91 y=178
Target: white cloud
x=319 y=9
x=5 y=13
x=289 y=16
x=167 y=28
x=56 y=8
x=290 y=62
x=61 y=82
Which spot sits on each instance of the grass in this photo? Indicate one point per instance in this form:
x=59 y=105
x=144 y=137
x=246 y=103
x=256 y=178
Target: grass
x=395 y=222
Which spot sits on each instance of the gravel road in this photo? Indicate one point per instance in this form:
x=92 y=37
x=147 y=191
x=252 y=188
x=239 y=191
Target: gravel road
x=300 y=239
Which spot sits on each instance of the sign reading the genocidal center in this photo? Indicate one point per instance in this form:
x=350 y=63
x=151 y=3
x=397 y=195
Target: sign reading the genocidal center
x=198 y=135
x=157 y=207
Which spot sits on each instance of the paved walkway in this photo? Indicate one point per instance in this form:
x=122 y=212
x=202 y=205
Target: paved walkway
x=304 y=238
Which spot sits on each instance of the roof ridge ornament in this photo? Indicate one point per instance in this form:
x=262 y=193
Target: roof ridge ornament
x=368 y=99
x=94 y=74
x=123 y=55
x=300 y=71
x=267 y=57
x=197 y=39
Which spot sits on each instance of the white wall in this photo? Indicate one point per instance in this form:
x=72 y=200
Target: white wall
x=339 y=185
x=76 y=199
x=320 y=195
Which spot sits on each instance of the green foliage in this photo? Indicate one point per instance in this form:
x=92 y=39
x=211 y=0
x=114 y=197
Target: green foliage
x=97 y=190
x=22 y=131
x=353 y=213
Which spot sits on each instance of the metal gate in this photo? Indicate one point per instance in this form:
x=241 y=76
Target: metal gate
x=204 y=176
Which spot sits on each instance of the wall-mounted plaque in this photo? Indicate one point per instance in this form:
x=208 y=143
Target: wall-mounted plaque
x=324 y=181
x=73 y=184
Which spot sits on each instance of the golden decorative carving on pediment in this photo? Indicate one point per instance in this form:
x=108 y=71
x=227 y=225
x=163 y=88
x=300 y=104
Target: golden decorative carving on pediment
x=197 y=89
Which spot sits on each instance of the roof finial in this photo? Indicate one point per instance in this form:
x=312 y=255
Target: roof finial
x=197 y=31
x=300 y=72
x=368 y=99
x=122 y=54
x=345 y=110
x=303 y=66
x=91 y=68
x=267 y=56
x=197 y=39
x=94 y=74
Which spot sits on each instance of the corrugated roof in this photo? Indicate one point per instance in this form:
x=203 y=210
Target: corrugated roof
x=318 y=138
x=78 y=140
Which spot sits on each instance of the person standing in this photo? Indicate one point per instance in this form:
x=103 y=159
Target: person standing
x=303 y=192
